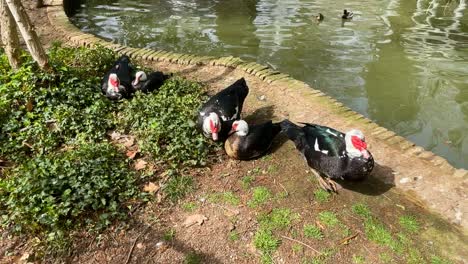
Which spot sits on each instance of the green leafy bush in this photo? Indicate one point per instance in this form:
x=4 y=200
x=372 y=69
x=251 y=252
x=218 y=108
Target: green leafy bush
x=43 y=110
x=164 y=122
x=56 y=192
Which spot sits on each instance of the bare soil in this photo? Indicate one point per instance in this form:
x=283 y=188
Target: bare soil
x=155 y=232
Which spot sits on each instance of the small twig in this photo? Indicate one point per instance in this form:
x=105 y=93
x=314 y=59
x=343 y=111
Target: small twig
x=281 y=185
x=131 y=249
x=134 y=243
x=347 y=239
x=302 y=243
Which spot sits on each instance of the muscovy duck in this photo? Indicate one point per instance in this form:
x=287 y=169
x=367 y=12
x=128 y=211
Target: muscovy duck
x=216 y=116
x=347 y=15
x=114 y=89
x=330 y=152
x=123 y=70
x=248 y=142
x=148 y=83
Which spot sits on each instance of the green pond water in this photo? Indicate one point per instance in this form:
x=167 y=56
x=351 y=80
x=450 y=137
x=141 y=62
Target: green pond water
x=402 y=63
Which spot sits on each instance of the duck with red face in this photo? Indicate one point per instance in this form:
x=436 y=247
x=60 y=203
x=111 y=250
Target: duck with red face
x=116 y=83
x=216 y=116
x=330 y=153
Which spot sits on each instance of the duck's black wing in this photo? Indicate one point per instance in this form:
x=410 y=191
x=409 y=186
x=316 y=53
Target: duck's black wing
x=154 y=82
x=259 y=139
x=326 y=140
x=228 y=103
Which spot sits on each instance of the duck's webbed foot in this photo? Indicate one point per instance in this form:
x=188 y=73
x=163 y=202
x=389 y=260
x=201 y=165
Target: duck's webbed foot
x=325 y=183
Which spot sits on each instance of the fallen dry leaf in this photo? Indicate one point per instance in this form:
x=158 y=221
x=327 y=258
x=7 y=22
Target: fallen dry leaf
x=151 y=187
x=129 y=142
x=115 y=135
x=132 y=153
x=140 y=164
x=194 y=219
x=29 y=105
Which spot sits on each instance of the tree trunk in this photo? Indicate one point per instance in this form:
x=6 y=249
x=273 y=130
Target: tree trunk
x=27 y=31
x=9 y=33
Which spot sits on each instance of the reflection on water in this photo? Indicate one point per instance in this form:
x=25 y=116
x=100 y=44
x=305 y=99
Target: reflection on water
x=402 y=63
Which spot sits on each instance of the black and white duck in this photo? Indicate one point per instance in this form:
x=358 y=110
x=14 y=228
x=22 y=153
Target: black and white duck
x=119 y=85
x=248 y=142
x=114 y=89
x=319 y=17
x=347 y=14
x=333 y=154
x=216 y=116
x=149 y=83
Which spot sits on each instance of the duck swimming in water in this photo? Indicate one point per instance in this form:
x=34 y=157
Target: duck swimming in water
x=333 y=154
x=249 y=142
x=347 y=15
x=319 y=17
x=216 y=116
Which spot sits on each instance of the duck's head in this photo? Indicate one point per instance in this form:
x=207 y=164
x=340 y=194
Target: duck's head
x=140 y=76
x=319 y=17
x=114 y=82
x=240 y=127
x=356 y=144
x=212 y=125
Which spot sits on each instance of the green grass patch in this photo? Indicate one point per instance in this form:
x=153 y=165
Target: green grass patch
x=296 y=248
x=312 y=231
x=358 y=259
x=193 y=258
x=409 y=223
x=247 y=181
x=169 y=235
x=279 y=218
x=234 y=235
x=439 y=260
x=266 y=242
x=414 y=257
x=322 y=195
x=260 y=196
x=385 y=257
x=377 y=232
x=362 y=210
x=177 y=187
x=272 y=169
x=225 y=197
x=189 y=206
x=328 y=218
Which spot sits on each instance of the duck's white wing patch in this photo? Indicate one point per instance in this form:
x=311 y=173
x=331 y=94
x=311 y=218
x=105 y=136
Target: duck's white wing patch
x=317 y=148
x=235 y=114
x=202 y=113
x=330 y=132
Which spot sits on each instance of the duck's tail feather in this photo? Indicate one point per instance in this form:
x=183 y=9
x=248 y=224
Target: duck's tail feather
x=291 y=130
x=242 y=88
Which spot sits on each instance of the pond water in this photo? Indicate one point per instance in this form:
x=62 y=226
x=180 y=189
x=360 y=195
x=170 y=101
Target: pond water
x=402 y=63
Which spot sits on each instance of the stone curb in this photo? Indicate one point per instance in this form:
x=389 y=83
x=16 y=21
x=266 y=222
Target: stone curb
x=60 y=21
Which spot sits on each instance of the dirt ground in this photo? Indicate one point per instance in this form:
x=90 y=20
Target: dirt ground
x=158 y=232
